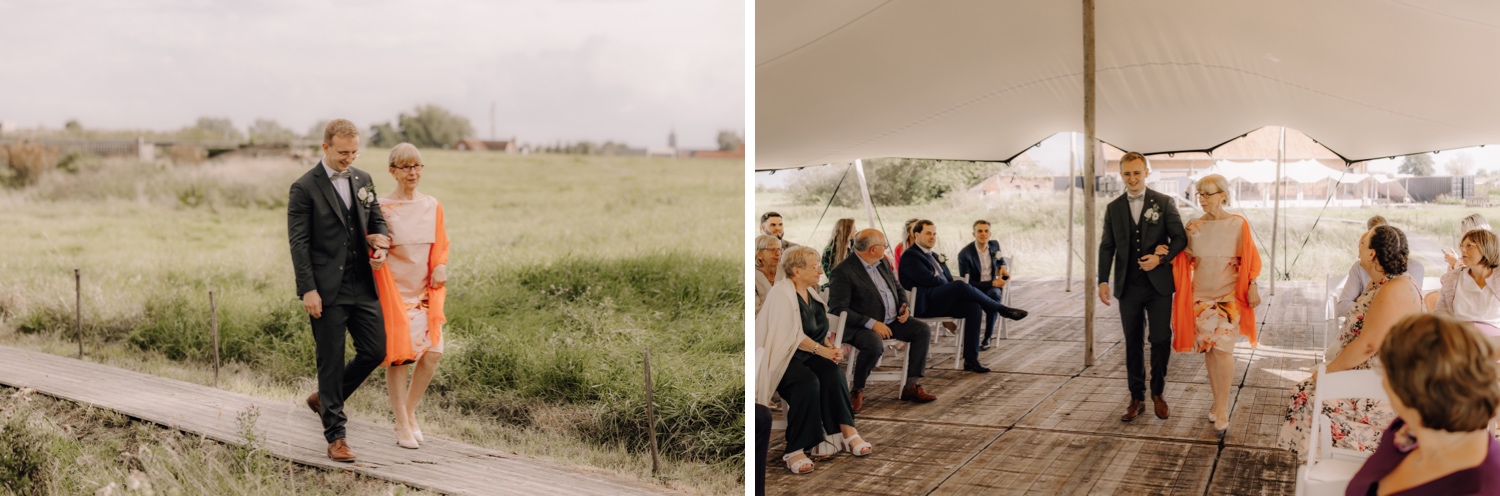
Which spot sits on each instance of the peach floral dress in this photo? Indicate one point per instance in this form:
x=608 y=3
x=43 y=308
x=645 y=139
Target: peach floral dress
x=414 y=228
x=1214 y=246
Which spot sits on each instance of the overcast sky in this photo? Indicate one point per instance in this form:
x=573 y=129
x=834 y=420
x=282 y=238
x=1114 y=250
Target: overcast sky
x=626 y=70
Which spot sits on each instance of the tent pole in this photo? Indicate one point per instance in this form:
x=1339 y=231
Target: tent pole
x=864 y=193
x=1276 y=209
x=1090 y=248
x=1072 y=161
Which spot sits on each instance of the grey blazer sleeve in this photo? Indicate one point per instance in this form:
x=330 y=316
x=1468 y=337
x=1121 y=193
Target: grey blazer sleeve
x=299 y=212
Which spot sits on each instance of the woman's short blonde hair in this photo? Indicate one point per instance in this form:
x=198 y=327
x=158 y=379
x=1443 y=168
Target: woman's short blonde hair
x=798 y=257
x=1444 y=369
x=405 y=154
x=1489 y=246
x=1218 y=182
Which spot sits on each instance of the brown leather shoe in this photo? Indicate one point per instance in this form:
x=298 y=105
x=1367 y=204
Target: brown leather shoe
x=339 y=451
x=914 y=393
x=1133 y=411
x=1161 y=406
x=857 y=400
x=312 y=402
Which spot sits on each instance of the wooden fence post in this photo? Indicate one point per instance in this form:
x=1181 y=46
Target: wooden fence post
x=213 y=319
x=78 y=309
x=651 y=414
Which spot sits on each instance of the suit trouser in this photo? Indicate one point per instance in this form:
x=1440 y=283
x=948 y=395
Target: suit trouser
x=762 y=444
x=360 y=313
x=1140 y=304
x=870 y=349
x=814 y=389
x=959 y=300
x=990 y=317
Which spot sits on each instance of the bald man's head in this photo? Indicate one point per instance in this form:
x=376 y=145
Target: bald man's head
x=869 y=245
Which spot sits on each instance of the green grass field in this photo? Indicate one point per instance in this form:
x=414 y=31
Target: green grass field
x=1033 y=229
x=563 y=268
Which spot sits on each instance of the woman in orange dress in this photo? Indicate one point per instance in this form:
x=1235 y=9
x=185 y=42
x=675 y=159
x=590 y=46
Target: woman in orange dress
x=412 y=290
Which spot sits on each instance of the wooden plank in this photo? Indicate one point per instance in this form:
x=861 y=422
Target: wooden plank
x=908 y=459
x=1038 y=357
x=1243 y=471
x=1273 y=367
x=1058 y=328
x=295 y=433
x=1024 y=461
x=1182 y=367
x=982 y=400
x=1257 y=416
x=1094 y=405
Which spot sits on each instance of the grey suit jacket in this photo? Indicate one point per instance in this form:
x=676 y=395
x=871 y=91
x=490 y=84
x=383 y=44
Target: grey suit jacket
x=1115 y=242
x=318 y=232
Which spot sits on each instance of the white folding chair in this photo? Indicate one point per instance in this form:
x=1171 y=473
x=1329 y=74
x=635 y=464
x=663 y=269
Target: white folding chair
x=1329 y=469
x=1010 y=285
x=940 y=333
x=836 y=331
x=1333 y=286
x=894 y=349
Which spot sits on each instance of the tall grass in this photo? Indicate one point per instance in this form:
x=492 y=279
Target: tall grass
x=563 y=269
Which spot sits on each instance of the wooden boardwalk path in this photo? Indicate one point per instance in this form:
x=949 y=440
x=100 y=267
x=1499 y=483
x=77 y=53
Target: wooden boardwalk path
x=293 y=432
x=1042 y=423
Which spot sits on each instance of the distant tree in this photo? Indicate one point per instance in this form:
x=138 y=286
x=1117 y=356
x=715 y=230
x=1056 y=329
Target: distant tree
x=385 y=135
x=1462 y=164
x=73 y=126
x=1419 y=164
x=316 y=133
x=729 y=141
x=431 y=126
x=268 y=131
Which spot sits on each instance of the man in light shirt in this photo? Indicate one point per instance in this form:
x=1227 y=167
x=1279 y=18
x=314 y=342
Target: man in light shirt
x=989 y=274
x=864 y=286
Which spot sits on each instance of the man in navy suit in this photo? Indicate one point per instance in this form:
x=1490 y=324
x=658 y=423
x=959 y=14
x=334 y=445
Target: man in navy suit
x=988 y=274
x=1142 y=233
x=938 y=295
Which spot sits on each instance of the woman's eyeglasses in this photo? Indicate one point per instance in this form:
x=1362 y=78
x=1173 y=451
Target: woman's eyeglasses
x=406 y=168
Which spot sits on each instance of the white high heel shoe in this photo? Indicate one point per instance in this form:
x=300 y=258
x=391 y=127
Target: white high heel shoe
x=408 y=444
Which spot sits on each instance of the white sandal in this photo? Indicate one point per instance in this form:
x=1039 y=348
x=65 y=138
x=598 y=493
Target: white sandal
x=860 y=448
x=796 y=465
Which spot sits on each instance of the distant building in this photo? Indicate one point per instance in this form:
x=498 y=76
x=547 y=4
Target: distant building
x=475 y=145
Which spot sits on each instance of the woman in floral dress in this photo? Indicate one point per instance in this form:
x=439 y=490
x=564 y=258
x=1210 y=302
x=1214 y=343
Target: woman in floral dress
x=1220 y=264
x=1358 y=423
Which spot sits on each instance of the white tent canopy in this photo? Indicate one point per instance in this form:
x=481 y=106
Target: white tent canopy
x=985 y=80
x=1264 y=172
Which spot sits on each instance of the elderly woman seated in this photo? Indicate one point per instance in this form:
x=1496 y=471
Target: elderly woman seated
x=795 y=358
x=767 y=258
x=1471 y=292
x=1442 y=382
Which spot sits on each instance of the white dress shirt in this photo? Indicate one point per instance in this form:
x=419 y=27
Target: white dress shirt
x=342 y=187
x=1137 y=202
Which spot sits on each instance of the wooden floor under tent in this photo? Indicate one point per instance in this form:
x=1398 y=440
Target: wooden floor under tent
x=1042 y=423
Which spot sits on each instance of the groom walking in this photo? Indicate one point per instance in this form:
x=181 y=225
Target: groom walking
x=332 y=221
x=1142 y=233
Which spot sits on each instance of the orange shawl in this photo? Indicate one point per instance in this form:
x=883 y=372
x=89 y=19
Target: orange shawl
x=397 y=330
x=1183 y=320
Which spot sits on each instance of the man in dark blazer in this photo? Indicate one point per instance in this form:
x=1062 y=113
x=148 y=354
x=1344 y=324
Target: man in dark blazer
x=989 y=275
x=938 y=295
x=1142 y=233
x=333 y=221
x=864 y=286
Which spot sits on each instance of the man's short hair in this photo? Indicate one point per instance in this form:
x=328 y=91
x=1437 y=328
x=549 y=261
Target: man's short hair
x=1134 y=156
x=341 y=128
x=767 y=216
x=921 y=225
x=980 y=221
x=1374 y=222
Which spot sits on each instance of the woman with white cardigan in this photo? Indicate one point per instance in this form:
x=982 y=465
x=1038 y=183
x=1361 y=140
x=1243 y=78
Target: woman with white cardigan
x=795 y=358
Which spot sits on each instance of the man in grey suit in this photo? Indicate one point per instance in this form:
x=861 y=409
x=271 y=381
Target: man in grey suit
x=864 y=286
x=333 y=221
x=1142 y=233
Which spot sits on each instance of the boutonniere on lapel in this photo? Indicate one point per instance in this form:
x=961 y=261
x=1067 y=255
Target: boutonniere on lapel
x=997 y=255
x=941 y=258
x=367 y=195
x=1153 y=214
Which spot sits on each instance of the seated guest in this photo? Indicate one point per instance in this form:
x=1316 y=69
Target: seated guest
x=864 y=286
x=770 y=224
x=840 y=245
x=1355 y=283
x=938 y=295
x=1442 y=383
x=988 y=274
x=1470 y=223
x=797 y=360
x=1470 y=292
x=1391 y=296
x=767 y=257
x=907 y=239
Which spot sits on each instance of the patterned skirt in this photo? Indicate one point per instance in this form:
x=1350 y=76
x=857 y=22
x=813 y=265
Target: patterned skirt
x=1217 y=324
